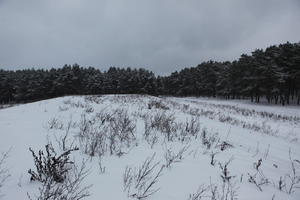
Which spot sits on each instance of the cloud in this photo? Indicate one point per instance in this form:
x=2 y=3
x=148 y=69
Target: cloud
x=160 y=35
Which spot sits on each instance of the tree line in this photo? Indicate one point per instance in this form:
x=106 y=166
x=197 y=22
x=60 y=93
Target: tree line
x=273 y=73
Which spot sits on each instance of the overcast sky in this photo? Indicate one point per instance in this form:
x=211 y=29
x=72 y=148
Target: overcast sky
x=160 y=35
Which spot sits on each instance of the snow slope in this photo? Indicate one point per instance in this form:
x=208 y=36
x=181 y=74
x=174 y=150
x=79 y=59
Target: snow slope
x=251 y=132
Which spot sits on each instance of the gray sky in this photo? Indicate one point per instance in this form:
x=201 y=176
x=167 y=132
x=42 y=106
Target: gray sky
x=160 y=35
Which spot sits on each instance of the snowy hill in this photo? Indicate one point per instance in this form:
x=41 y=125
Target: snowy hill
x=195 y=148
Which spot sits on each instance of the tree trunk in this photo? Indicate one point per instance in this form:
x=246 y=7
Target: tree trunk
x=282 y=100
x=269 y=99
x=288 y=99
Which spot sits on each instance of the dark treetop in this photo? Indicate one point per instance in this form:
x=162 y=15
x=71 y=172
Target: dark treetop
x=273 y=73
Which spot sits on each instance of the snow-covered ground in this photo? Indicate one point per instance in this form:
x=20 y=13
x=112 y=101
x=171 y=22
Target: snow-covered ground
x=189 y=139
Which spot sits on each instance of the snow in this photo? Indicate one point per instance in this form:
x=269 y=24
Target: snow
x=271 y=138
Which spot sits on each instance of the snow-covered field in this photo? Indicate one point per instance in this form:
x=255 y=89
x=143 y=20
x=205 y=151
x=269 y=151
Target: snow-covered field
x=198 y=148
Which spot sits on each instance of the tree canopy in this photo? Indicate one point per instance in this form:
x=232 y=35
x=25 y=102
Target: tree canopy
x=273 y=73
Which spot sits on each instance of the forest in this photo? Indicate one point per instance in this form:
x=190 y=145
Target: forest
x=272 y=74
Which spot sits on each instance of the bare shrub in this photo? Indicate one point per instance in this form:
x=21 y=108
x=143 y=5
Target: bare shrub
x=263 y=127
x=92 y=135
x=84 y=126
x=147 y=127
x=165 y=124
x=157 y=105
x=4 y=172
x=49 y=165
x=199 y=194
x=150 y=135
x=224 y=145
x=258 y=181
x=225 y=174
x=140 y=182
x=94 y=143
x=250 y=112
x=191 y=128
x=69 y=189
x=67 y=101
x=106 y=132
x=54 y=123
x=98 y=99
x=209 y=139
x=63 y=108
x=292 y=180
x=77 y=104
x=212 y=157
x=64 y=141
x=227 y=190
x=102 y=168
x=171 y=157
x=226 y=118
x=266 y=153
x=258 y=178
x=228 y=187
x=123 y=127
x=121 y=132
x=281 y=184
x=89 y=108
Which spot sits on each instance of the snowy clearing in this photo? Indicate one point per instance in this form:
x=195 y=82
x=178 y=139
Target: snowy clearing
x=195 y=148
